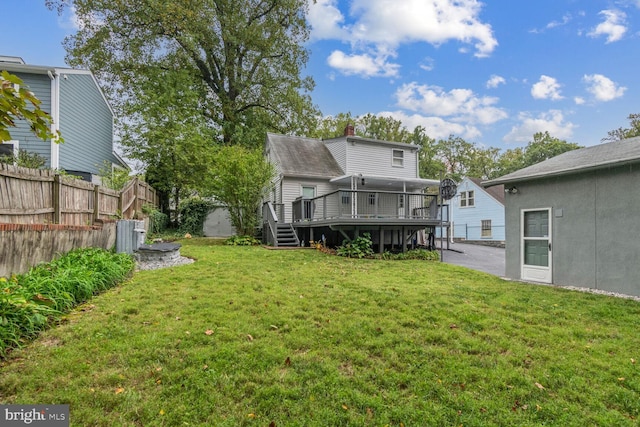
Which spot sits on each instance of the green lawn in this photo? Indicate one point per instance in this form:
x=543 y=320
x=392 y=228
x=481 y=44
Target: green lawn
x=256 y=337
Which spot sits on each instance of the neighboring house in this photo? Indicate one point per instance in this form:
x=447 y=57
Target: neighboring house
x=340 y=188
x=79 y=110
x=477 y=214
x=573 y=219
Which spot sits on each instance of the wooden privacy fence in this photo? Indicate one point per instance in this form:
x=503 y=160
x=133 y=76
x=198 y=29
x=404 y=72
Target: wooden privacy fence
x=34 y=196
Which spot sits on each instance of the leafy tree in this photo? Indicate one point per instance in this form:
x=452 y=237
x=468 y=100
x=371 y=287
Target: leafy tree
x=22 y=104
x=543 y=147
x=624 y=133
x=240 y=178
x=332 y=126
x=243 y=58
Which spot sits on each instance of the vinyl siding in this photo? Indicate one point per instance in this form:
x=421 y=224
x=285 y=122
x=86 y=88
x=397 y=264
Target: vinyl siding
x=292 y=189
x=40 y=85
x=338 y=150
x=468 y=220
x=376 y=159
x=86 y=123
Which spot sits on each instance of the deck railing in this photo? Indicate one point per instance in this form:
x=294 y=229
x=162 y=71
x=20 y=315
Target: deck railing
x=363 y=204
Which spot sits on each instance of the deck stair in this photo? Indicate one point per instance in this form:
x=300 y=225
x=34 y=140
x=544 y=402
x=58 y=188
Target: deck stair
x=286 y=235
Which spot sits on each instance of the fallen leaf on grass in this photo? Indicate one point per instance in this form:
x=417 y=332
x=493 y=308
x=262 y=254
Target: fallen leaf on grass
x=540 y=386
x=119 y=390
x=345 y=407
x=633 y=360
x=453 y=326
x=251 y=415
x=208 y=332
x=272 y=424
x=287 y=362
x=249 y=337
x=621 y=379
x=161 y=412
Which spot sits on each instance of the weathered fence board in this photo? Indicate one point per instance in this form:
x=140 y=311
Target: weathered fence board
x=34 y=196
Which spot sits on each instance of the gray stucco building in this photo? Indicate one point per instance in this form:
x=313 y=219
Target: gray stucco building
x=575 y=219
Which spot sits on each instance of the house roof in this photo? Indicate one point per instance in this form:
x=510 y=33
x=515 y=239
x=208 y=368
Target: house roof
x=360 y=139
x=600 y=156
x=299 y=156
x=496 y=191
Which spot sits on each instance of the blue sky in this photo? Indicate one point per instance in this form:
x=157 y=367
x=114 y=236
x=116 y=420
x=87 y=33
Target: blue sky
x=492 y=72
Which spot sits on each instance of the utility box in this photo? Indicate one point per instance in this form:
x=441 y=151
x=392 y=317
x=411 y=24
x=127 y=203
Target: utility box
x=130 y=235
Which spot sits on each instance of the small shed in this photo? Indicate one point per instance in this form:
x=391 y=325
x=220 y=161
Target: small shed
x=573 y=219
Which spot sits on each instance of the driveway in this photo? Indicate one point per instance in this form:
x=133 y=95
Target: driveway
x=477 y=257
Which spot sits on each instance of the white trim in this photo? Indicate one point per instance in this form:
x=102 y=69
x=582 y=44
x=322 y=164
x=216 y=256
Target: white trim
x=394 y=158
x=536 y=273
x=55 y=116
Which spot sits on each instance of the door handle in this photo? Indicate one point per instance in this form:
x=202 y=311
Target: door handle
x=549 y=246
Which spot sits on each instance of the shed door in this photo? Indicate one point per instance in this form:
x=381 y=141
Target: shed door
x=536 y=245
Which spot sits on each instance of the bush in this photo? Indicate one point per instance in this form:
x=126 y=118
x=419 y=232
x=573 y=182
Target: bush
x=24 y=159
x=30 y=301
x=193 y=213
x=158 y=221
x=421 y=254
x=242 y=241
x=360 y=247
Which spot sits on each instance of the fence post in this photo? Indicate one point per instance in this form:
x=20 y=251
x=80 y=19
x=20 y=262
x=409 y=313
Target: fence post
x=57 y=190
x=136 y=197
x=121 y=204
x=96 y=203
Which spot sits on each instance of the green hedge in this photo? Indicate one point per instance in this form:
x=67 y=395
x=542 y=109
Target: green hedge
x=29 y=302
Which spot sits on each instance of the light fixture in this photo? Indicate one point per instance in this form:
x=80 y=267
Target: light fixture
x=511 y=190
x=362 y=182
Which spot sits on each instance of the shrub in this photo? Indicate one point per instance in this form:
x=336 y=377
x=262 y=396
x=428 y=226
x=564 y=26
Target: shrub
x=421 y=254
x=158 y=221
x=24 y=159
x=193 y=213
x=242 y=241
x=30 y=301
x=360 y=247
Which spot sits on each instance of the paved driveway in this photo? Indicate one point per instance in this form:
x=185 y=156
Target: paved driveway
x=477 y=257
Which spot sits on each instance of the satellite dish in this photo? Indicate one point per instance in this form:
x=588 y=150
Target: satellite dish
x=448 y=188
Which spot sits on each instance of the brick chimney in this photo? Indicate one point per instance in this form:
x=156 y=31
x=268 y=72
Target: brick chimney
x=349 y=130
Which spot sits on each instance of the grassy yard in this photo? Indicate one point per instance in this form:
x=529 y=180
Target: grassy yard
x=252 y=337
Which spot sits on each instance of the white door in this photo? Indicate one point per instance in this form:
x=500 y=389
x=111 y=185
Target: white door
x=401 y=208
x=536 y=245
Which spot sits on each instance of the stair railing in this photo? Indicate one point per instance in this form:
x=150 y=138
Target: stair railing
x=269 y=213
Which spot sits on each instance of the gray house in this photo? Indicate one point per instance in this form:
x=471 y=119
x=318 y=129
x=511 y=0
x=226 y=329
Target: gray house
x=340 y=188
x=79 y=110
x=573 y=219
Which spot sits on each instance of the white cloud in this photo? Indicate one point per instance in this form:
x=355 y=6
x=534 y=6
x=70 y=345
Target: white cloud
x=382 y=26
x=495 y=81
x=546 y=88
x=326 y=20
x=614 y=25
x=428 y=64
x=602 y=88
x=459 y=104
x=579 y=100
x=552 y=121
x=362 y=65
x=553 y=24
x=436 y=127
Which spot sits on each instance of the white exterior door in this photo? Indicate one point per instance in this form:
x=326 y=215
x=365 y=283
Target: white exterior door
x=535 y=226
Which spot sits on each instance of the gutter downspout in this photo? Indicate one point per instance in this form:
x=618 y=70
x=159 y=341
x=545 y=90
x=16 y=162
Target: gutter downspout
x=55 y=116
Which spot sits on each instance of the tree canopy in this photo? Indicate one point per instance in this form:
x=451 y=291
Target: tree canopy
x=242 y=59
x=624 y=133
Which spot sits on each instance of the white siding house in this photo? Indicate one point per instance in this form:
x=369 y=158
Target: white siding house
x=343 y=187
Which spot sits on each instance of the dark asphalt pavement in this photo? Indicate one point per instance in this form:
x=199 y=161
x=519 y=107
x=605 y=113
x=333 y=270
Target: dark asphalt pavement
x=477 y=257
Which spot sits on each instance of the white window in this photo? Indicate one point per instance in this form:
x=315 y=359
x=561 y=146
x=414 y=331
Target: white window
x=9 y=148
x=486 y=228
x=467 y=199
x=372 y=199
x=345 y=197
x=308 y=192
x=398 y=158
